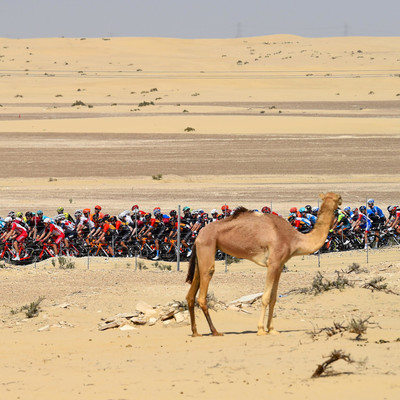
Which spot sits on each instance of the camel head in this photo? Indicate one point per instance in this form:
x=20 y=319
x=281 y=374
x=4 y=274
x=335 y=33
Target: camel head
x=330 y=202
x=331 y=197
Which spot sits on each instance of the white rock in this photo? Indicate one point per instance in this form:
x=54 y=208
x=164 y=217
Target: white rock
x=152 y=321
x=64 y=305
x=249 y=299
x=138 y=321
x=179 y=317
x=127 y=328
x=143 y=307
x=44 y=328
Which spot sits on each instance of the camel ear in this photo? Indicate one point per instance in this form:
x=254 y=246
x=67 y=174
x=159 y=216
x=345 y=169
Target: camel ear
x=321 y=196
x=340 y=200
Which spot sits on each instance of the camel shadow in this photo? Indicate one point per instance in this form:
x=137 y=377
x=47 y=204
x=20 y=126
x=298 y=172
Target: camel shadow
x=255 y=332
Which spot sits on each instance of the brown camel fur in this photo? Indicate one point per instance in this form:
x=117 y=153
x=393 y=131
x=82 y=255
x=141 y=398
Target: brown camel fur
x=266 y=239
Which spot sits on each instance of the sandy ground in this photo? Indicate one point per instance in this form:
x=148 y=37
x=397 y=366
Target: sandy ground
x=274 y=120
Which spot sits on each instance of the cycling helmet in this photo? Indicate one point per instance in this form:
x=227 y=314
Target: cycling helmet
x=78 y=213
x=355 y=210
x=60 y=210
x=121 y=215
x=347 y=209
x=185 y=209
x=157 y=210
x=308 y=208
x=7 y=219
x=11 y=214
x=39 y=212
x=172 y=213
x=370 y=201
x=214 y=211
x=293 y=210
x=315 y=209
x=362 y=208
x=97 y=208
x=390 y=208
x=266 y=210
x=46 y=221
x=28 y=214
x=135 y=207
x=291 y=217
x=148 y=215
x=59 y=217
x=224 y=207
x=106 y=217
x=19 y=214
x=86 y=211
x=302 y=210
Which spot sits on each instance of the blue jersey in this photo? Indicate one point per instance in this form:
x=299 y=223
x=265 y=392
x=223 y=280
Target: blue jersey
x=376 y=211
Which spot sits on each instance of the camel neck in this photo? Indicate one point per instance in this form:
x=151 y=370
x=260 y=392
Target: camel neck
x=314 y=240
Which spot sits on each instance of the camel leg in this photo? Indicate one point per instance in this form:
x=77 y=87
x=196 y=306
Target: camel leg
x=205 y=278
x=190 y=298
x=272 y=302
x=269 y=298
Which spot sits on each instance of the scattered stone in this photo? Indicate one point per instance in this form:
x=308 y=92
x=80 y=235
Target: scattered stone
x=167 y=316
x=127 y=328
x=143 y=307
x=128 y=315
x=138 y=321
x=44 y=328
x=249 y=299
x=64 y=305
x=179 y=317
x=108 y=325
x=152 y=321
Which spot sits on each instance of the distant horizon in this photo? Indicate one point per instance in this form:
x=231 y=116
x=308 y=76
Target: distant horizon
x=179 y=38
x=182 y=19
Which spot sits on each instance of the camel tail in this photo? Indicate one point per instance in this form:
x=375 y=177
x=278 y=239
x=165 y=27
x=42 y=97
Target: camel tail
x=192 y=265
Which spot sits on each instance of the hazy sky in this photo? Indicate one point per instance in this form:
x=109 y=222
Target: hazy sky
x=198 y=19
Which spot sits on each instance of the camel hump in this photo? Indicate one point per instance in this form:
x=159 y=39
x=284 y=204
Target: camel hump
x=239 y=211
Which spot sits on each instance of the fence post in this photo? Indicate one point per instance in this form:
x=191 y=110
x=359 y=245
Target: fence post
x=319 y=251
x=178 y=240
x=367 y=241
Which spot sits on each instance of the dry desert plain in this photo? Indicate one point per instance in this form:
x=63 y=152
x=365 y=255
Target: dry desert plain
x=248 y=121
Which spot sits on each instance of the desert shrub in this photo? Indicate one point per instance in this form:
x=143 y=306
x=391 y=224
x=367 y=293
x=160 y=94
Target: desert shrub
x=146 y=103
x=232 y=260
x=334 y=356
x=31 y=310
x=189 y=129
x=162 y=266
x=320 y=284
x=157 y=177
x=376 y=284
x=78 y=103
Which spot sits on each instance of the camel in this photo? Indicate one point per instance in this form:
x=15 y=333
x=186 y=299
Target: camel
x=266 y=239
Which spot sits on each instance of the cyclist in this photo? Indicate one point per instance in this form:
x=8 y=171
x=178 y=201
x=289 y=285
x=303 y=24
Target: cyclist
x=343 y=224
x=17 y=233
x=60 y=210
x=108 y=231
x=54 y=232
x=303 y=225
x=375 y=214
x=97 y=214
x=304 y=214
x=393 y=221
x=363 y=223
x=69 y=230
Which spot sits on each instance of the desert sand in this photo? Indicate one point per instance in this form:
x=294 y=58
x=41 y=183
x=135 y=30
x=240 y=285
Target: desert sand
x=250 y=121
